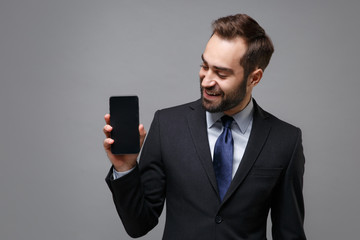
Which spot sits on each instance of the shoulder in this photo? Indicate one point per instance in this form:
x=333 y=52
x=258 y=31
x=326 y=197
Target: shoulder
x=280 y=126
x=180 y=111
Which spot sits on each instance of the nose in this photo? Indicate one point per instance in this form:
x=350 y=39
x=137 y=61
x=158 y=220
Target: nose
x=207 y=78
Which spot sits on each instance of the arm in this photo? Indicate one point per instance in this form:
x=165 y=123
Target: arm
x=287 y=210
x=139 y=196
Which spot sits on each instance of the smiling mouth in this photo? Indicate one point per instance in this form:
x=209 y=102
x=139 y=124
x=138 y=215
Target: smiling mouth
x=211 y=93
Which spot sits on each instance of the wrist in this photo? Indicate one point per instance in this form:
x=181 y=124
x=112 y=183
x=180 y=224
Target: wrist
x=124 y=167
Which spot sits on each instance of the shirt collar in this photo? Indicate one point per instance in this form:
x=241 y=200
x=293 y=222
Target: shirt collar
x=242 y=118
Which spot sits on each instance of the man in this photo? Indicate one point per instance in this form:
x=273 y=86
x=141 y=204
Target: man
x=220 y=162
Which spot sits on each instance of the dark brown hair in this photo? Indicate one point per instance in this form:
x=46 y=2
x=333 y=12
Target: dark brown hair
x=259 y=45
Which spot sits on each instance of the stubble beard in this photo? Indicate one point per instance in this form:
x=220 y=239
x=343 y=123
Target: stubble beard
x=228 y=100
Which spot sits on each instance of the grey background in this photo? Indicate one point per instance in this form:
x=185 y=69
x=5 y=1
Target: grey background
x=61 y=60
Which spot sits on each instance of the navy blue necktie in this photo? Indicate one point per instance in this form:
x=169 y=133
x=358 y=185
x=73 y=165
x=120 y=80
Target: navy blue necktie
x=223 y=157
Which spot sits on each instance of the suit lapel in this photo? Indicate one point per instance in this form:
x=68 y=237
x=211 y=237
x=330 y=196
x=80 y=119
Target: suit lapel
x=259 y=133
x=198 y=130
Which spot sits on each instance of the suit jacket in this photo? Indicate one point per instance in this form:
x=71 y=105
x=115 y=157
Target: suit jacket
x=176 y=165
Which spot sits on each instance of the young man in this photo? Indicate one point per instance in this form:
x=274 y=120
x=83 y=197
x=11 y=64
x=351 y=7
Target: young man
x=220 y=175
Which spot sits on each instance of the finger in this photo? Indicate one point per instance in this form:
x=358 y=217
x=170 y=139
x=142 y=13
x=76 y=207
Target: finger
x=107 y=129
x=107 y=118
x=107 y=143
x=142 y=133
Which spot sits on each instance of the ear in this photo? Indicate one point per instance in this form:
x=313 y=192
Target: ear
x=255 y=77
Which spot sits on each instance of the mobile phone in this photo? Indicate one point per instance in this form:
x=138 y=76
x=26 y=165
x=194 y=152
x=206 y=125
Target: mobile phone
x=124 y=119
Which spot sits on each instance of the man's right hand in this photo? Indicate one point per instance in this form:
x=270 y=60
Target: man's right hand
x=122 y=162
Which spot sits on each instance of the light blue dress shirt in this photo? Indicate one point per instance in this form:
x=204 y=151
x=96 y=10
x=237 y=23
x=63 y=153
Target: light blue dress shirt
x=240 y=129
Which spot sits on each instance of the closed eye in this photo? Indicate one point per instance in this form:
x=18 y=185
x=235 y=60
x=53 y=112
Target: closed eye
x=204 y=66
x=222 y=76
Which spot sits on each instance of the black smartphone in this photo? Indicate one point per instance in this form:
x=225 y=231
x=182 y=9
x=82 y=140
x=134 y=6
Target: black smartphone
x=124 y=118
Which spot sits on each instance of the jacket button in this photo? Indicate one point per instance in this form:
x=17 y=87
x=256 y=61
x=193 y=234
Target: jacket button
x=218 y=219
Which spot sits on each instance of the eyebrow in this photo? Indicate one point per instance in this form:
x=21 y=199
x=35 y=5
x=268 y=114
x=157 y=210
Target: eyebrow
x=229 y=70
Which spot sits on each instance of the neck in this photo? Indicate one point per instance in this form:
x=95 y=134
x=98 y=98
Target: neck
x=239 y=107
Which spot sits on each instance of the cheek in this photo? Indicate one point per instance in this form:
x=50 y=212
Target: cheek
x=227 y=85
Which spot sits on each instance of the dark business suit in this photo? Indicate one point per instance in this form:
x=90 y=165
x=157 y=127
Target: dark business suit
x=176 y=165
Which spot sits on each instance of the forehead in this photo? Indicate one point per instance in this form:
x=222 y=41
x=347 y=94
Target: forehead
x=224 y=52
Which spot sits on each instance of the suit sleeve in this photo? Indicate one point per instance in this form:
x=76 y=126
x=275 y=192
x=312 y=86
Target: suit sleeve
x=287 y=210
x=139 y=196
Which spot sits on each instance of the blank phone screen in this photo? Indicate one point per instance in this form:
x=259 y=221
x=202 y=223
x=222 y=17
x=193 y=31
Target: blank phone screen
x=124 y=118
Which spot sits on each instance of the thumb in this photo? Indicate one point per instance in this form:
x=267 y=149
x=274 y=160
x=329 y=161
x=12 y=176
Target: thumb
x=142 y=133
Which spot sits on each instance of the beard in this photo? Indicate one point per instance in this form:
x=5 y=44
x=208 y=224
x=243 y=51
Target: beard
x=228 y=101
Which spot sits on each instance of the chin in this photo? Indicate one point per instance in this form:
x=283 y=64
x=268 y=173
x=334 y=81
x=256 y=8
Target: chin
x=210 y=106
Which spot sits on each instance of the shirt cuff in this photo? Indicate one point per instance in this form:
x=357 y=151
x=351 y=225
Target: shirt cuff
x=117 y=174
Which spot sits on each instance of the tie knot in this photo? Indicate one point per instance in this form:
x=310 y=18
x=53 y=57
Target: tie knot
x=226 y=121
